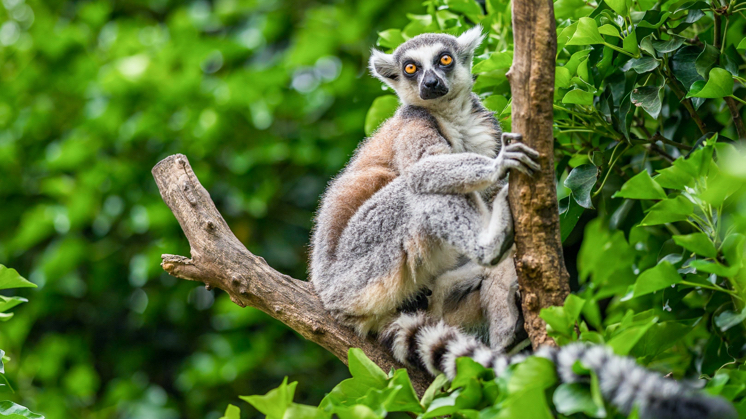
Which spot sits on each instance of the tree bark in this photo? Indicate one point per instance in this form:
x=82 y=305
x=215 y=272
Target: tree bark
x=220 y=260
x=542 y=276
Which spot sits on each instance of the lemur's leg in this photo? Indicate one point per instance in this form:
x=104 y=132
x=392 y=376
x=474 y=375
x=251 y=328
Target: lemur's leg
x=464 y=222
x=467 y=172
x=473 y=296
x=498 y=301
x=455 y=296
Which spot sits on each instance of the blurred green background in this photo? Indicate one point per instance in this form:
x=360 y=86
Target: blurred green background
x=268 y=100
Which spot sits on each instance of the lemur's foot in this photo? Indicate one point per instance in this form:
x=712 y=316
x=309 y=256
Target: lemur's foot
x=516 y=155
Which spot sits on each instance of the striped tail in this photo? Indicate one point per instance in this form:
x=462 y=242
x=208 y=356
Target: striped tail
x=417 y=340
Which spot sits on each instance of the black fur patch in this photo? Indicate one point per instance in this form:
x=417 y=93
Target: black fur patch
x=438 y=350
x=416 y=303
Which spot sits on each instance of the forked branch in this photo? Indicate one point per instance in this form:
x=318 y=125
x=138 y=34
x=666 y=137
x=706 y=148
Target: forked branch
x=220 y=260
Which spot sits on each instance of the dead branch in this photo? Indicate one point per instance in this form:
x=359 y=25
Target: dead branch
x=220 y=260
x=542 y=276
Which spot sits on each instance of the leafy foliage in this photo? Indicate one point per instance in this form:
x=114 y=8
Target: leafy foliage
x=9 y=279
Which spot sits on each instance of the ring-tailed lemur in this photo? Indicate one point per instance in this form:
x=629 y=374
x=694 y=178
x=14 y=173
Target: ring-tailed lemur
x=406 y=245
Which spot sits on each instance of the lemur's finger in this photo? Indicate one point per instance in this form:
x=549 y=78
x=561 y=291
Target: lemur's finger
x=515 y=164
x=524 y=159
x=524 y=148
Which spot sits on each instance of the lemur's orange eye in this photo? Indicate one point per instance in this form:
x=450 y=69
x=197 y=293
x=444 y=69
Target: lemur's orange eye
x=410 y=68
x=446 y=60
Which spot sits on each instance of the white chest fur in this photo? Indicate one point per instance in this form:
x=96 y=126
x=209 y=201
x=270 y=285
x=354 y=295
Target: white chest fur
x=468 y=131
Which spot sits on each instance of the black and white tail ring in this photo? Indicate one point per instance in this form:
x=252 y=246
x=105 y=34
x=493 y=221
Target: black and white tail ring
x=418 y=340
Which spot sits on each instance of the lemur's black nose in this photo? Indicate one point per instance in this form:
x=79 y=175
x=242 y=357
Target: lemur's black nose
x=431 y=81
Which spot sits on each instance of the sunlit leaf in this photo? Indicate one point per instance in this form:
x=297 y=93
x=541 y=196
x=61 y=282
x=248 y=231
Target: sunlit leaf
x=383 y=108
x=656 y=278
x=668 y=211
x=698 y=243
x=9 y=278
x=232 y=412
x=641 y=186
x=586 y=33
x=11 y=410
x=578 y=97
x=496 y=61
x=720 y=84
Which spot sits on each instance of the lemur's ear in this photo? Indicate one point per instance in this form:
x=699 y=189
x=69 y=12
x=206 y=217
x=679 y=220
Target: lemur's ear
x=469 y=41
x=382 y=65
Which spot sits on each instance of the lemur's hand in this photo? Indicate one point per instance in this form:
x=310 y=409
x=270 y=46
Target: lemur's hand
x=516 y=155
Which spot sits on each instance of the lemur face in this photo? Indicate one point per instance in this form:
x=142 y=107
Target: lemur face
x=429 y=68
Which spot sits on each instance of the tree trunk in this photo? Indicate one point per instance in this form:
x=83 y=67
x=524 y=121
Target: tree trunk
x=542 y=276
x=220 y=260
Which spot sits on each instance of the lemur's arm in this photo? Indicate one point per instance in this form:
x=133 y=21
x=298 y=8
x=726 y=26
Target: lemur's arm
x=467 y=172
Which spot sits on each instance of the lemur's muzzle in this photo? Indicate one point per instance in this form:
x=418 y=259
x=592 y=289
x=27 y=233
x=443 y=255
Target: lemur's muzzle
x=432 y=86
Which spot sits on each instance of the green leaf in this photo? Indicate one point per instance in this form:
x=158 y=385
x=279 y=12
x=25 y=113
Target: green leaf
x=641 y=186
x=621 y=7
x=496 y=61
x=581 y=181
x=232 y=412
x=698 y=243
x=648 y=97
x=533 y=373
x=382 y=108
x=523 y=405
x=610 y=30
x=642 y=65
x=406 y=398
x=576 y=398
x=720 y=84
x=6 y=303
x=364 y=370
x=390 y=38
x=358 y=411
x=578 y=97
x=656 y=278
x=742 y=44
x=668 y=211
x=565 y=34
x=629 y=43
x=436 y=386
x=683 y=66
x=495 y=103
x=11 y=410
x=661 y=337
x=716 y=268
x=728 y=319
x=9 y=278
x=706 y=60
x=586 y=33
x=276 y=401
x=562 y=78
x=569 y=218
x=623 y=342
x=556 y=318
x=670 y=45
x=302 y=411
